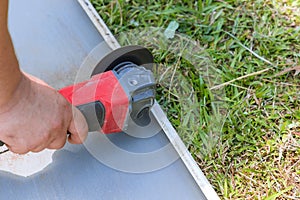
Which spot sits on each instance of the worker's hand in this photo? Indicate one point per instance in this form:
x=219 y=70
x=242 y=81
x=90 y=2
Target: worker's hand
x=38 y=117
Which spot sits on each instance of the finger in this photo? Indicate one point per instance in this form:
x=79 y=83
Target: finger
x=38 y=149
x=78 y=128
x=17 y=149
x=17 y=146
x=58 y=142
x=59 y=134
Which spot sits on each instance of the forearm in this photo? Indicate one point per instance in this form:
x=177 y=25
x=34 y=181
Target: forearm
x=10 y=74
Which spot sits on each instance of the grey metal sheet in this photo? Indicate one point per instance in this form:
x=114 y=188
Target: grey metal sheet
x=52 y=39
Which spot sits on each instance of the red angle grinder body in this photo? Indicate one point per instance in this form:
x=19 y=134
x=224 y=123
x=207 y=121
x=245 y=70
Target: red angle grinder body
x=121 y=88
x=96 y=98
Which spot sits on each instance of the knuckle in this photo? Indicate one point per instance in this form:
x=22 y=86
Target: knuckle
x=60 y=145
x=31 y=146
x=19 y=150
x=37 y=149
x=18 y=146
x=57 y=144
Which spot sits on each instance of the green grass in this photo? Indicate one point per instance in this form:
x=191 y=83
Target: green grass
x=243 y=134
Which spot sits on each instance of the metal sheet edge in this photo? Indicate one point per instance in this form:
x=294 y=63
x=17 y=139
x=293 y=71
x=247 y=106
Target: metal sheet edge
x=184 y=154
x=99 y=24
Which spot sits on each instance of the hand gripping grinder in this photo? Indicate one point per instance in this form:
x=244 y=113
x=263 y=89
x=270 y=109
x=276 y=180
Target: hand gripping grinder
x=121 y=88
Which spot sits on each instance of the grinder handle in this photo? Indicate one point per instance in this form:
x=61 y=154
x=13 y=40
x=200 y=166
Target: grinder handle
x=94 y=114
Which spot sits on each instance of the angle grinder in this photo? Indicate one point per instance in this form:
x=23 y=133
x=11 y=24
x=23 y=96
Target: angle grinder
x=121 y=89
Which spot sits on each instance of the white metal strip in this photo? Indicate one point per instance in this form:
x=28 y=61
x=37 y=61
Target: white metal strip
x=99 y=24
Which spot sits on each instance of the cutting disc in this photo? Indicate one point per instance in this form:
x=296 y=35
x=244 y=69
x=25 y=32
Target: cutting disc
x=136 y=54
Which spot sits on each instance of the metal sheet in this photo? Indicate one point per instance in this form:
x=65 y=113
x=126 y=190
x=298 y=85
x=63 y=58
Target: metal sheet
x=52 y=39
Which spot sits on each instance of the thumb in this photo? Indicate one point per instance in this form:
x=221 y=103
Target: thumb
x=78 y=127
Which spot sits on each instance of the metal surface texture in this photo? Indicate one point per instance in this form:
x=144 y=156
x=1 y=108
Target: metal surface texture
x=76 y=174
x=53 y=39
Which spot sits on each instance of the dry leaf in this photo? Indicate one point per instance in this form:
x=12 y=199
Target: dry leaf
x=289 y=69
